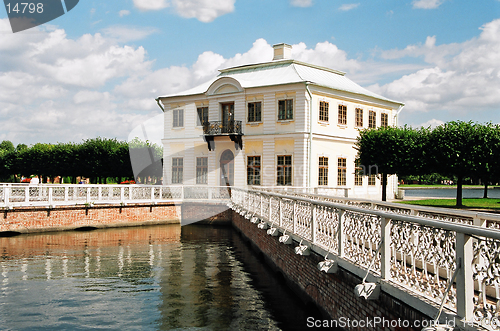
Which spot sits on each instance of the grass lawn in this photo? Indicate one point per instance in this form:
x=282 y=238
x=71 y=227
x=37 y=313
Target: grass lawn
x=450 y=203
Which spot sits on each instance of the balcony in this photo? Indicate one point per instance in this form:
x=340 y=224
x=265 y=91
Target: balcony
x=232 y=129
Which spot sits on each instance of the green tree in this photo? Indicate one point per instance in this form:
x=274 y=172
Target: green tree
x=393 y=150
x=486 y=137
x=453 y=151
x=7 y=145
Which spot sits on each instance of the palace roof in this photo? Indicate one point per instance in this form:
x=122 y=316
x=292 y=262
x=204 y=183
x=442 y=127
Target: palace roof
x=288 y=71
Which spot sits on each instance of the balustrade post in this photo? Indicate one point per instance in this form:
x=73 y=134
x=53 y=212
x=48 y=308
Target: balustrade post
x=261 y=207
x=50 y=196
x=385 y=259
x=270 y=211
x=280 y=206
x=210 y=192
x=464 y=282
x=88 y=194
x=66 y=193
x=182 y=192
x=99 y=193
x=294 y=224
x=26 y=194
x=122 y=194
x=6 y=194
x=313 y=223
x=478 y=221
x=340 y=236
x=152 y=193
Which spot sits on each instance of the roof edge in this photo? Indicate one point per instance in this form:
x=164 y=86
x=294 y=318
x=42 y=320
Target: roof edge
x=287 y=61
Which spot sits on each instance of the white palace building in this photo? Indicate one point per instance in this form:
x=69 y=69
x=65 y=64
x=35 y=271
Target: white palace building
x=278 y=123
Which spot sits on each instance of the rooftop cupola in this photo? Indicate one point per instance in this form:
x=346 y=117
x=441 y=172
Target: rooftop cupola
x=282 y=51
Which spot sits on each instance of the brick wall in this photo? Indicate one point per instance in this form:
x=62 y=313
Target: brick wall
x=206 y=212
x=36 y=219
x=333 y=293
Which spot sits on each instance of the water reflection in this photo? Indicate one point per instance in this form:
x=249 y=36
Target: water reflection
x=161 y=277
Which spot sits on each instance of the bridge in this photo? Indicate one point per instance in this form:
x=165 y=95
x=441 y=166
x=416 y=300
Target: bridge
x=442 y=263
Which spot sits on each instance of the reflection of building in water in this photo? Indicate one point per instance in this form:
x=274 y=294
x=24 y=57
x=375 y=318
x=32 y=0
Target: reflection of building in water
x=100 y=253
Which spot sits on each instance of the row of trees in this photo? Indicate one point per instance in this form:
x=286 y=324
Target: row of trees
x=455 y=149
x=97 y=159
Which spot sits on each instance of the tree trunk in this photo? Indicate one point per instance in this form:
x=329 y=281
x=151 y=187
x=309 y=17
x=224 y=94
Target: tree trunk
x=459 y=191
x=485 y=194
x=384 y=187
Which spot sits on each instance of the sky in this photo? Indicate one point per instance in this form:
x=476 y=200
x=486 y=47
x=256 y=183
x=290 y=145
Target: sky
x=96 y=71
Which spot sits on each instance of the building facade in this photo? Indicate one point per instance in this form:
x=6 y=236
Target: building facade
x=279 y=123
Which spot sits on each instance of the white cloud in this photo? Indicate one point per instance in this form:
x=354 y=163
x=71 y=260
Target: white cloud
x=42 y=73
x=301 y=3
x=325 y=54
x=348 y=6
x=431 y=123
x=124 y=12
x=151 y=4
x=459 y=77
x=86 y=96
x=427 y=4
x=125 y=34
x=203 y=10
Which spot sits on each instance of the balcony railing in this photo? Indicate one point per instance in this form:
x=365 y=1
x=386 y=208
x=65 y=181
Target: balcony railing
x=216 y=128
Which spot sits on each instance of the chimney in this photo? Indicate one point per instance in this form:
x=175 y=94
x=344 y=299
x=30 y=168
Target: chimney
x=282 y=51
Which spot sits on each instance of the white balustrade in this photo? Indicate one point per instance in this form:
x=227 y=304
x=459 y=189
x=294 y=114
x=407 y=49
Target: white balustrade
x=49 y=195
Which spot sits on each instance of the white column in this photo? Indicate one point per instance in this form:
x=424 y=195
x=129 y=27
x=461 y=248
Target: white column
x=268 y=163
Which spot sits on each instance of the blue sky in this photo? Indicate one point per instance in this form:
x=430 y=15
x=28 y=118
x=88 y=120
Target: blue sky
x=96 y=70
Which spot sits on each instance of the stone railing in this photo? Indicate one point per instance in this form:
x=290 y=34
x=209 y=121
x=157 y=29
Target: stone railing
x=445 y=214
x=426 y=259
x=18 y=195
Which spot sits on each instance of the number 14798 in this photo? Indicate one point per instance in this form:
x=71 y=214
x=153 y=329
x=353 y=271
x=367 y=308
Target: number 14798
x=25 y=7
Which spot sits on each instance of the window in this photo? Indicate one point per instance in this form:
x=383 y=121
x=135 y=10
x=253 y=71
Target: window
x=202 y=116
x=371 y=179
x=201 y=170
x=372 y=119
x=359 y=117
x=284 y=170
x=178 y=121
x=358 y=174
x=323 y=111
x=384 y=120
x=323 y=171
x=177 y=170
x=341 y=173
x=253 y=170
x=254 y=112
x=342 y=114
x=285 y=109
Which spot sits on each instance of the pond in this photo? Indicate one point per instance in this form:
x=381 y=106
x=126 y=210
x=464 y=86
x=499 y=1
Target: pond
x=144 y=278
